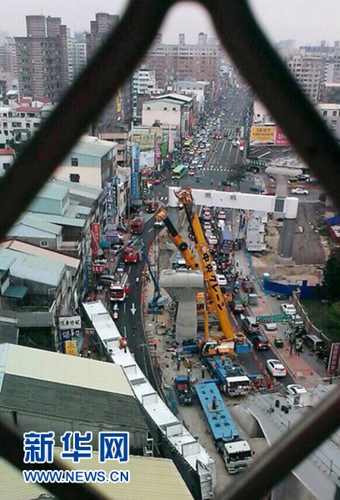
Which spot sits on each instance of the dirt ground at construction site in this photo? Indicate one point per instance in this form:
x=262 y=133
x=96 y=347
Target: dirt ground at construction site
x=310 y=249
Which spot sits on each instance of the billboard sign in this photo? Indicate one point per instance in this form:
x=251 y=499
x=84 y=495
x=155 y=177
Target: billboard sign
x=95 y=241
x=147 y=159
x=280 y=138
x=98 y=268
x=146 y=141
x=69 y=330
x=262 y=134
x=71 y=348
x=334 y=358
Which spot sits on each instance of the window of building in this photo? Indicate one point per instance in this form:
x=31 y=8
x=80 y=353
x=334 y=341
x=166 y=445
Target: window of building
x=74 y=162
x=165 y=109
x=173 y=109
x=74 y=177
x=148 y=109
x=334 y=113
x=6 y=166
x=44 y=244
x=324 y=113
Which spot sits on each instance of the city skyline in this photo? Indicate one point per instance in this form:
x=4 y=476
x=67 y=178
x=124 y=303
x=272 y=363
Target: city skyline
x=305 y=21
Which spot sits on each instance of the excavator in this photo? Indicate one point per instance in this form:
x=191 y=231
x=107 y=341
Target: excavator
x=214 y=298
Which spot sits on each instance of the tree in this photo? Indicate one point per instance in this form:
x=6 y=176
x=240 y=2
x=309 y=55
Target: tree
x=237 y=174
x=332 y=321
x=331 y=277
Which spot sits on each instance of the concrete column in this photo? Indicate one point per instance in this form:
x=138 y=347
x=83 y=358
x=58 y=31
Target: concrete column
x=285 y=246
x=183 y=286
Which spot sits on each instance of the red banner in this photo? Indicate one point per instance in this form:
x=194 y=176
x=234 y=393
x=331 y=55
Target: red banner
x=98 y=268
x=95 y=232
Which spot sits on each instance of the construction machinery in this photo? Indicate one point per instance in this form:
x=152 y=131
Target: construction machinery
x=158 y=300
x=214 y=298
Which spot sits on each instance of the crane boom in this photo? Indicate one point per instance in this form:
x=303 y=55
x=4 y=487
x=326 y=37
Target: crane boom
x=210 y=278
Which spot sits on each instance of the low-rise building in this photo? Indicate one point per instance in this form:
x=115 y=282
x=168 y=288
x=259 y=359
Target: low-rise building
x=91 y=161
x=46 y=390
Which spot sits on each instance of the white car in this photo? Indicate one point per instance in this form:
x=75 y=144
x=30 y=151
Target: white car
x=222 y=281
x=212 y=240
x=214 y=265
x=276 y=368
x=158 y=223
x=294 y=389
x=270 y=327
x=288 y=309
x=299 y=191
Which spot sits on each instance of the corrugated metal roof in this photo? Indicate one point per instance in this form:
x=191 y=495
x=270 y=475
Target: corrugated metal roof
x=150 y=478
x=53 y=192
x=36 y=222
x=31 y=267
x=62 y=369
x=92 y=146
x=62 y=220
x=13 y=485
x=74 y=210
x=20 y=246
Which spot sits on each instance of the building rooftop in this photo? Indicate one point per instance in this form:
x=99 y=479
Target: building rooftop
x=150 y=479
x=92 y=146
x=62 y=220
x=59 y=368
x=34 y=221
x=53 y=192
x=175 y=97
x=76 y=187
x=20 y=246
x=7 y=151
x=31 y=267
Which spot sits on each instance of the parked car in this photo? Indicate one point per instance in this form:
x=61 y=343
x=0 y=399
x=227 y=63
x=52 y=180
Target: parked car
x=276 y=368
x=296 y=320
x=314 y=343
x=261 y=343
x=288 y=309
x=158 y=223
x=278 y=342
x=299 y=191
x=294 y=389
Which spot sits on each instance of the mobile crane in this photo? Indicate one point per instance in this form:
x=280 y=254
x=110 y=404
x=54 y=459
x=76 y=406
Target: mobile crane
x=158 y=300
x=216 y=300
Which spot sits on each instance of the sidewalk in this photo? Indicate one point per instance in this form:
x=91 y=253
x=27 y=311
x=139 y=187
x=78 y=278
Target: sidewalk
x=299 y=369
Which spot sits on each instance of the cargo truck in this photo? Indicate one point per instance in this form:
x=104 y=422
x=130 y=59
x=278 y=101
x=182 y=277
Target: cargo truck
x=236 y=452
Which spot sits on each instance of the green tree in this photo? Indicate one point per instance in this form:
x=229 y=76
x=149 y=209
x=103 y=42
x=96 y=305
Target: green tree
x=331 y=277
x=237 y=174
x=332 y=321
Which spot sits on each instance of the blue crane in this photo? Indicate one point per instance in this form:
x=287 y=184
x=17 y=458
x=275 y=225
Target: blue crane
x=158 y=299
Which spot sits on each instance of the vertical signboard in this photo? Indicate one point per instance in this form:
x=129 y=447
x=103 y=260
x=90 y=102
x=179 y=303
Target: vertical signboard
x=334 y=357
x=111 y=191
x=135 y=170
x=95 y=234
x=69 y=331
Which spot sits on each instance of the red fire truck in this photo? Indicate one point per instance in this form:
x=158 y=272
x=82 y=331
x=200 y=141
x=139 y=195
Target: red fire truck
x=119 y=288
x=131 y=255
x=137 y=226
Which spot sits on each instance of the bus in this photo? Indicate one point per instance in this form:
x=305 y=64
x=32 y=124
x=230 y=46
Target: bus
x=179 y=172
x=226 y=242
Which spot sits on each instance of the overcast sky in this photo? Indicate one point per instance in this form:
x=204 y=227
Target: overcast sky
x=306 y=21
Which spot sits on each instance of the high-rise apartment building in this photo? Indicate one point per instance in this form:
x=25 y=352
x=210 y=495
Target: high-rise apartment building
x=308 y=71
x=99 y=29
x=42 y=58
x=119 y=110
x=180 y=62
x=76 y=57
